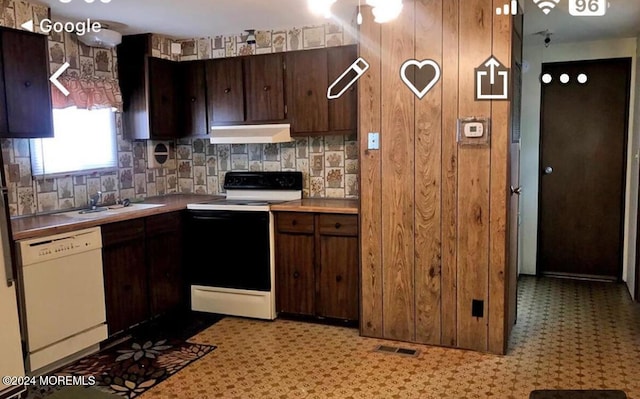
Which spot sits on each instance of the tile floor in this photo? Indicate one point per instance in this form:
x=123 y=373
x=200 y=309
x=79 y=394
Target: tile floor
x=570 y=335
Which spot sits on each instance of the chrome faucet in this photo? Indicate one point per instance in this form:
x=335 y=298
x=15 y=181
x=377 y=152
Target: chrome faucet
x=95 y=199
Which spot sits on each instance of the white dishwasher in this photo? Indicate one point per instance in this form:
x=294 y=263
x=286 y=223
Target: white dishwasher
x=62 y=297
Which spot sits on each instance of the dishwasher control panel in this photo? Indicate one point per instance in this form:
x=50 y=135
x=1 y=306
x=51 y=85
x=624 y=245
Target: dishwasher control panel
x=52 y=247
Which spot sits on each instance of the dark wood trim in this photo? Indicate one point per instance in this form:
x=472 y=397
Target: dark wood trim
x=13 y=392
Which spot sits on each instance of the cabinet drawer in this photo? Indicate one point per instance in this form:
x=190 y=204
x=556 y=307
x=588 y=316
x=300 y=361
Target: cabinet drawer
x=114 y=233
x=164 y=223
x=295 y=222
x=341 y=225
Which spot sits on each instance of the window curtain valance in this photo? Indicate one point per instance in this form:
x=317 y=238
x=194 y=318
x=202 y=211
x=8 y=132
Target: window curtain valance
x=87 y=93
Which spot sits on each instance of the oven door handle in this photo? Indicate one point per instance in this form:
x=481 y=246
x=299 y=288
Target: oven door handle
x=226 y=217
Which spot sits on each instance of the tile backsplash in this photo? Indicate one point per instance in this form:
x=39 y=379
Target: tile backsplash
x=329 y=164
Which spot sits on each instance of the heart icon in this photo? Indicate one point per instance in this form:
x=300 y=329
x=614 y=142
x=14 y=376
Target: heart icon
x=420 y=76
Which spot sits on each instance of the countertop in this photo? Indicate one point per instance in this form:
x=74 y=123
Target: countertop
x=44 y=225
x=320 y=205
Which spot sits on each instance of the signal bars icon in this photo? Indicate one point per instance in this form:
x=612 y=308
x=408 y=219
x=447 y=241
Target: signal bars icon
x=508 y=9
x=547 y=5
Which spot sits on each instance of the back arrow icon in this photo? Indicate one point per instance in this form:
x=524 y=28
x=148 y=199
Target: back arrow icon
x=55 y=76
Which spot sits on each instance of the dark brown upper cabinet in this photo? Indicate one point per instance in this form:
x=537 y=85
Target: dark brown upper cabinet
x=163 y=98
x=309 y=74
x=25 y=91
x=343 y=112
x=194 y=119
x=151 y=100
x=264 y=88
x=307 y=83
x=225 y=91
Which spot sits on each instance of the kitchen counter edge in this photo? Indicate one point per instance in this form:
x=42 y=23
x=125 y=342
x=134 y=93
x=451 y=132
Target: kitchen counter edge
x=319 y=205
x=45 y=225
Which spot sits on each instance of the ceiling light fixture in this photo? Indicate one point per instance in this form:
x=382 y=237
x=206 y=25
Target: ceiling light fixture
x=104 y=38
x=385 y=10
x=321 y=7
x=359 y=18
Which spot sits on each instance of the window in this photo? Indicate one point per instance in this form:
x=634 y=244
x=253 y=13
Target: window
x=84 y=141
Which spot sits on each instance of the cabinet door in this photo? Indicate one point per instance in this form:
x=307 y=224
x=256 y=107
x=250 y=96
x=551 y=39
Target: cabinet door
x=26 y=79
x=225 y=90
x=193 y=97
x=164 y=261
x=295 y=284
x=307 y=86
x=343 y=114
x=162 y=96
x=264 y=82
x=125 y=276
x=338 y=277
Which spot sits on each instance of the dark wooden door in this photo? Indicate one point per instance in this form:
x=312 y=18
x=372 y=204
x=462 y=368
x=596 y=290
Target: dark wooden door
x=225 y=90
x=307 y=83
x=164 y=261
x=264 y=83
x=582 y=161
x=194 y=98
x=125 y=276
x=343 y=113
x=337 y=276
x=26 y=82
x=163 y=98
x=295 y=263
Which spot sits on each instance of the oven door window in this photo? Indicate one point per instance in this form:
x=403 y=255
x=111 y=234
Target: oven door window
x=229 y=249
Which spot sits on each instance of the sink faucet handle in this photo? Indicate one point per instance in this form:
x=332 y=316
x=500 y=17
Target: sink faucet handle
x=95 y=199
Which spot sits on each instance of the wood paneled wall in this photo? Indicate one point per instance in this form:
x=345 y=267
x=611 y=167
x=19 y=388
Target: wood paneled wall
x=433 y=213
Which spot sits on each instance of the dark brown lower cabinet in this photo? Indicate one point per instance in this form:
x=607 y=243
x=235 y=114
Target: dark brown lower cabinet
x=142 y=263
x=125 y=274
x=164 y=262
x=317 y=265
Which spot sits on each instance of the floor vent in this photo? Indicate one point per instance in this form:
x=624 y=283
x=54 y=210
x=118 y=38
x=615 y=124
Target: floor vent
x=395 y=349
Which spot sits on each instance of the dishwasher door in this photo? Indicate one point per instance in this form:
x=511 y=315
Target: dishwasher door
x=62 y=291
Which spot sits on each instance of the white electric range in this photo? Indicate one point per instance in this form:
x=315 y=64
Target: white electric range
x=230 y=245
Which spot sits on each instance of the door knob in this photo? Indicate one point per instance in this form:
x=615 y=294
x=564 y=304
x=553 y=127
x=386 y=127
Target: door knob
x=516 y=190
x=548 y=170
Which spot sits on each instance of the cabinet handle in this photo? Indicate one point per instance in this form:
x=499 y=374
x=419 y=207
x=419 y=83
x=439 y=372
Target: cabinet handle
x=267 y=88
x=338 y=278
x=338 y=225
x=310 y=93
x=27 y=83
x=294 y=222
x=193 y=99
x=227 y=90
x=296 y=274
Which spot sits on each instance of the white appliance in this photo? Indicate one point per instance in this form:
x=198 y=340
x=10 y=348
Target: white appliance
x=62 y=297
x=11 y=363
x=237 y=277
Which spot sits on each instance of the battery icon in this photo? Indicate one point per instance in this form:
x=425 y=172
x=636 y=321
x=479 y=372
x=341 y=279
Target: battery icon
x=347 y=79
x=588 y=8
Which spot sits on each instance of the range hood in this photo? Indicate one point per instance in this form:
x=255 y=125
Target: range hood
x=250 y=134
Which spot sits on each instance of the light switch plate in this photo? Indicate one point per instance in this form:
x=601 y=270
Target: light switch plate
x=373 y=141
x=474 y=131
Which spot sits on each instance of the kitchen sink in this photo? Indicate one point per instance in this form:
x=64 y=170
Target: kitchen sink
x=101 y=212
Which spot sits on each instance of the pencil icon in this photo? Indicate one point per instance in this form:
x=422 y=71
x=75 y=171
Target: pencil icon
x=347 y=79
